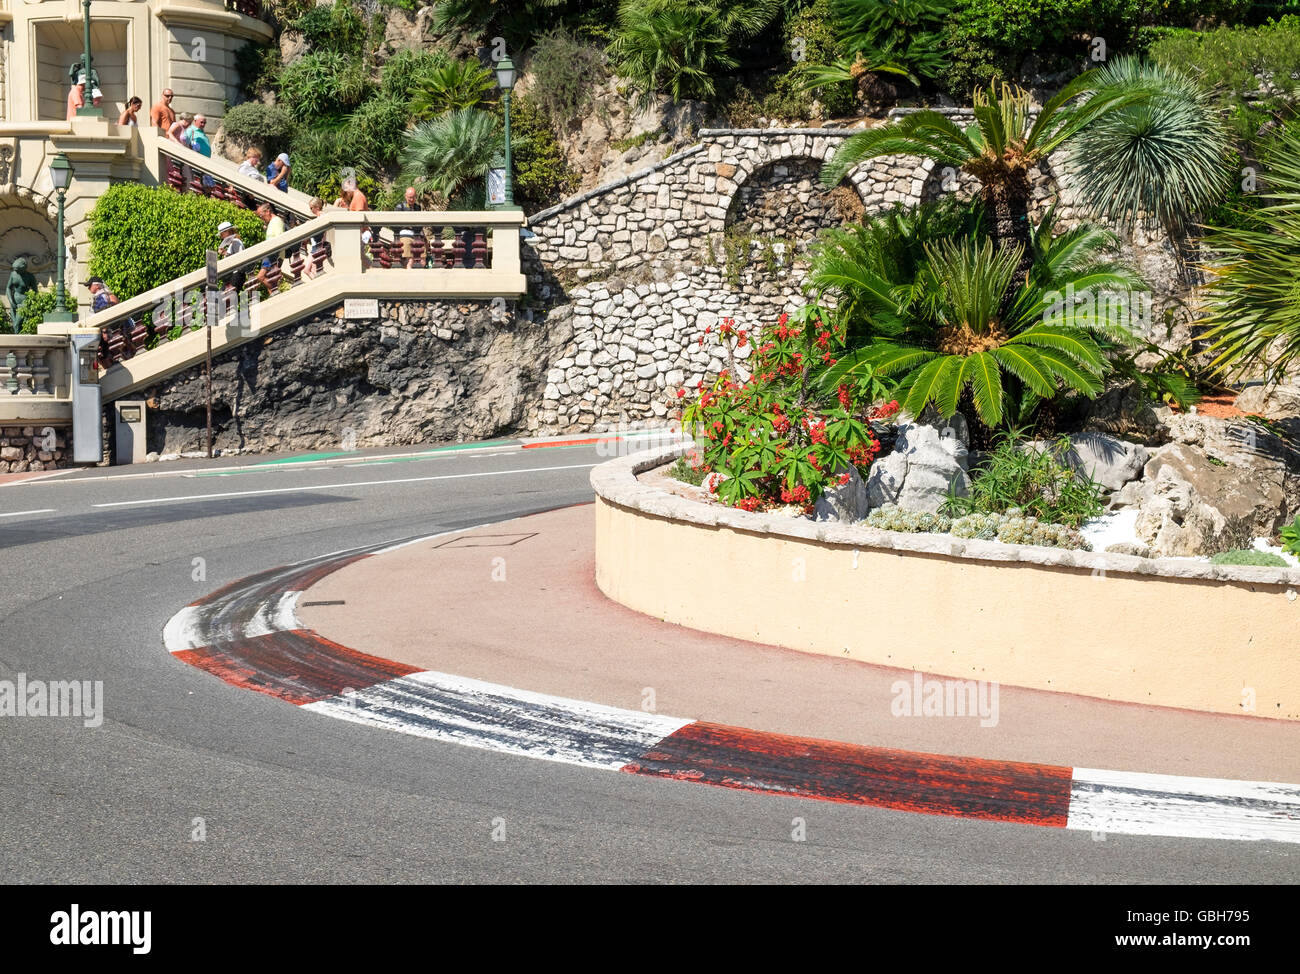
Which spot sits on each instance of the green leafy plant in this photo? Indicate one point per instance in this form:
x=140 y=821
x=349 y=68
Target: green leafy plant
x=142 y=237
x=449 y=87
x=402 y=71
x=337 y=27
x=322 y=84
x=1013 y=527
x=679 y=47
x=904 y=34
x=372 y=138
x=266 y=125
x=1291 y=537
x=1234 y=62
x=1032 y=481
x=257 y=66
x=541 y=175
x=961 y=330
x=1244 y=556
x=32 y=311
x=775 y=439
x=686 y=471
x=450 y=155
x=1252 y=318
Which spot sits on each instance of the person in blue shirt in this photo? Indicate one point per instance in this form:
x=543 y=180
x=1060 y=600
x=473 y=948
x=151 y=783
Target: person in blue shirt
x=277 y=173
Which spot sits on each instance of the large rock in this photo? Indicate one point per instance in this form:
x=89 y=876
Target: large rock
x=1192 y=504
x=929 y=461
x=846 y=503
x=1109 y=461
x=1271 y=402
x=1124 y=411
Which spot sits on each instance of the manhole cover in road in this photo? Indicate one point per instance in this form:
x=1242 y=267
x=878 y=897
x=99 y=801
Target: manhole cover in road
x=486 y=541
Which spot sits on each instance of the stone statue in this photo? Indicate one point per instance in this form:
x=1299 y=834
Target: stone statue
x=20 y=282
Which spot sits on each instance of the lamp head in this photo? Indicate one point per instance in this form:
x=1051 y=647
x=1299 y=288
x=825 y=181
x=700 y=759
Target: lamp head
x=60 y=172
x=506 y=74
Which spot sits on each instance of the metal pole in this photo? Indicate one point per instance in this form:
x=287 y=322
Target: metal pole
x=510 y=185
x=60 y=296
x=85 y=23
x=211 y=302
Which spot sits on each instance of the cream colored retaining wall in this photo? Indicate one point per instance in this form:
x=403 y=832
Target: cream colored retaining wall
x=1166 y=632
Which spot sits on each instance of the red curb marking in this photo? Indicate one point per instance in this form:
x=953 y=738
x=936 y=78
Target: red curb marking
x=592 y=439
x=734 y=757
x=298 y=666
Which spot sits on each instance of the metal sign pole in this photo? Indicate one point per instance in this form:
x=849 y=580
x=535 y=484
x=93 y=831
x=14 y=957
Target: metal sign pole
x=211 y=309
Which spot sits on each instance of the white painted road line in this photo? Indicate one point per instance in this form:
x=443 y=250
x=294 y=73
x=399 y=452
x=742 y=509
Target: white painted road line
x=43 y=510
x=342 y=486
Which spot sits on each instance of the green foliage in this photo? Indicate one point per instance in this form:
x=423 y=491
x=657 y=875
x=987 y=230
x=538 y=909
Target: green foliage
x=907 y=34
x=450 y=155
x=567 y=72
x=1252 y=315
x=257 y=66
x=1245 y=556
x=1230 y=61
x=450 y=87
x=33 y=309
x=322 y=84
x=1291 y=537
x=337 y=27
x=686 y=471
x=142 y=237
x=811 y=43
x=266 y=125
x=541 y=175
x=372 y=139
x=960 y=327
x=1155 y=162
x=1016 y=476
x=404 y=69
x=680 y=47
x=520 y=21
x=988 y=40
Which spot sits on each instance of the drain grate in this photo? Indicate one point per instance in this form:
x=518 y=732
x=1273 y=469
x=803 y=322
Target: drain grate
x=486 y=541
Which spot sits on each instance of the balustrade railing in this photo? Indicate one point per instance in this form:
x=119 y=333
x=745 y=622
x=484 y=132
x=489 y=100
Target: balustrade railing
x=249 y=8
x=373 y=254
x=25 y=372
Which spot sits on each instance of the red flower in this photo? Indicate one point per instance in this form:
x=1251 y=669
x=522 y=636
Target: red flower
x=783 y=319
x=680 y=393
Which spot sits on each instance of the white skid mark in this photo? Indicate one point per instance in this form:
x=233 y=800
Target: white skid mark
x=184 y=630
x=1126 y=802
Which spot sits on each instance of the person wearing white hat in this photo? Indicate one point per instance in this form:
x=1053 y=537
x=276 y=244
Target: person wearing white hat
x=277 y=173
x=231 y=244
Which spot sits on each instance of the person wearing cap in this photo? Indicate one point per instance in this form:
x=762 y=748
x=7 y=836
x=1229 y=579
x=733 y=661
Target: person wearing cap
x=161 y=115
x=274 y=228
x=100 y=296
x=76 y=96
x=277 y=173
x=231 y=243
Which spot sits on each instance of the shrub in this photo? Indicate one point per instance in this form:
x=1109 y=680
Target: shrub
x=686 y=471
x=566 y=73
x=773 y=437
x=403 y=70
x=450 y=155
x=1242 y=556
x=372 y=138
x=266 y=125
x=33 y=310
x=257 y=66
x=333 y=27
x=907 y=34
x=1017 y=476
x=323 y=83
x=142 y=237
x=542 y=177
x=1232 y=60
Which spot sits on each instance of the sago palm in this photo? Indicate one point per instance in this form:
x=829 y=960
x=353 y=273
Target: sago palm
x=449 y=87
x=974 y=328
x=1004 y=144
x=1252 y=302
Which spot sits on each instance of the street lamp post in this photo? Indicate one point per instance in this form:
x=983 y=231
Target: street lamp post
x=506 y=77
x=61 y=177
x=92 y=82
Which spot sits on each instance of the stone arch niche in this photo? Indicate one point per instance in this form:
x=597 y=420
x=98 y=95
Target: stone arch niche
x=785 y=198
x=27 y=230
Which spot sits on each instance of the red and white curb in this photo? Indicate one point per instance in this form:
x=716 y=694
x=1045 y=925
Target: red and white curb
x=249 y=635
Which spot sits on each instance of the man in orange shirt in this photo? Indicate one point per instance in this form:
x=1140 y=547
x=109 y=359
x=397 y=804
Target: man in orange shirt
x=161 y=115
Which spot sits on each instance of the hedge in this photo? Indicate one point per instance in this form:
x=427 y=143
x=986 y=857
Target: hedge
x=142 y=237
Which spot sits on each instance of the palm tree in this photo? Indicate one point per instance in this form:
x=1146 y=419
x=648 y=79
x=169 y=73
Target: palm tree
x=966 y=326
x=1006 y=142
x=449 y=87
x=451 y=154
x=1252 y=314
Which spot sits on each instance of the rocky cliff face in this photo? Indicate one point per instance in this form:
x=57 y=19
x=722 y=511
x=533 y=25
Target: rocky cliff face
x=423 y=372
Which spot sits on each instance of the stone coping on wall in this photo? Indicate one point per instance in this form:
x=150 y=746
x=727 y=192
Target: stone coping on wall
x=631 y=177
x=615 y=481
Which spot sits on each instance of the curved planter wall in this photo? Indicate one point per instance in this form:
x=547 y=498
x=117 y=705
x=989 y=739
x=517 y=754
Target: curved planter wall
x=1172 y=633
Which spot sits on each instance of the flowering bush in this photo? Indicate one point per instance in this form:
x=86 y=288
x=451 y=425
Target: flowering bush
x=773 y=438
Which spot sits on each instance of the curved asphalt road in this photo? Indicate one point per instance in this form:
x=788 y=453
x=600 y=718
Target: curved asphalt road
x=286 y=795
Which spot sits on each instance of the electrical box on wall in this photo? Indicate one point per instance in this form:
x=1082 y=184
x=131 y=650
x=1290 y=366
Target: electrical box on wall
x=129 y=418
